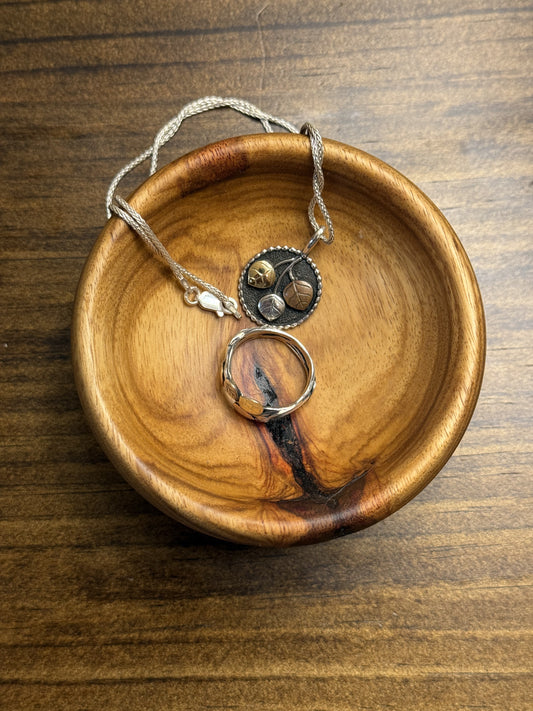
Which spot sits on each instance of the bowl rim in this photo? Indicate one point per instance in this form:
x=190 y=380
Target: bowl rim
x=386 y=183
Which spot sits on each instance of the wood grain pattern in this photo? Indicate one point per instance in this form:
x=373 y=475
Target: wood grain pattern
x=398 y=343
x=106 y=602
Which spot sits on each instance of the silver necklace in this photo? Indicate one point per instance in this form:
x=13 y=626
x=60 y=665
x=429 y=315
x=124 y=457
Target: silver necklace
x=279 y=287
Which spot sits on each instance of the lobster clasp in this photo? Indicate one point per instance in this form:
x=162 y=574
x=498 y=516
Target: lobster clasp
x=210 y=302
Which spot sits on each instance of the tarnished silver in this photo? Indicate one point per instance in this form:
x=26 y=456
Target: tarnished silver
x=300 y=295
x=265 y=306
x=249 y=407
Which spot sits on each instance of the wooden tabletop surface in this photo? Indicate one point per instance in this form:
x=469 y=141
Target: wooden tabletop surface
x=106 y=603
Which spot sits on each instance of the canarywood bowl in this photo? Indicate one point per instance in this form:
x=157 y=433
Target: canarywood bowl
x=398 y=342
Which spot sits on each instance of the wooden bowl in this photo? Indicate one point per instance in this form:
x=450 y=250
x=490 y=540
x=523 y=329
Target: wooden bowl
x=398 y=342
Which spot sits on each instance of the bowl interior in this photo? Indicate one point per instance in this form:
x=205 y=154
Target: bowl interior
x=397 y=341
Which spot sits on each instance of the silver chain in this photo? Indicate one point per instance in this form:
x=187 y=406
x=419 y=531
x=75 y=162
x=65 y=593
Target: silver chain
x=317 y=151
x=212 y=298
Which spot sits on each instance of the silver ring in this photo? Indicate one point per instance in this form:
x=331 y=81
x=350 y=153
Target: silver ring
x=249 y=407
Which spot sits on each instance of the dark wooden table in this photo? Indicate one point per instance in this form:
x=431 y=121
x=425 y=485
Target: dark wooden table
x=105 y=602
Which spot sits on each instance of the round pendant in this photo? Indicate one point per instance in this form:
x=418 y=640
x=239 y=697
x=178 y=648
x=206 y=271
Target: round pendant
x=280 y=287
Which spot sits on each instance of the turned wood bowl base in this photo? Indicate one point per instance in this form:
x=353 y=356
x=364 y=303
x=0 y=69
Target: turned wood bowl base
x=397 y=341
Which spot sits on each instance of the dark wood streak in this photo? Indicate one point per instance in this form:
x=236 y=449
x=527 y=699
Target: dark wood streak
x=286 y=437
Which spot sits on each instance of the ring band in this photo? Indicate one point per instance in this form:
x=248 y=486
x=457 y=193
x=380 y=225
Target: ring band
x=249 y=407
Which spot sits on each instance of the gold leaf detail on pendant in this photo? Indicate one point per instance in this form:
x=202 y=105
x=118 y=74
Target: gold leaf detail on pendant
x=261 y=274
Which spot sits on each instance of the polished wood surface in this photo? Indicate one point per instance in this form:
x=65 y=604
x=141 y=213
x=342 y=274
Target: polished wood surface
x=105 y=601
x=398 y=343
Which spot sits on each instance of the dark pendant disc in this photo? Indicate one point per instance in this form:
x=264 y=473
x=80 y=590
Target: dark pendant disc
x=292 y=269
